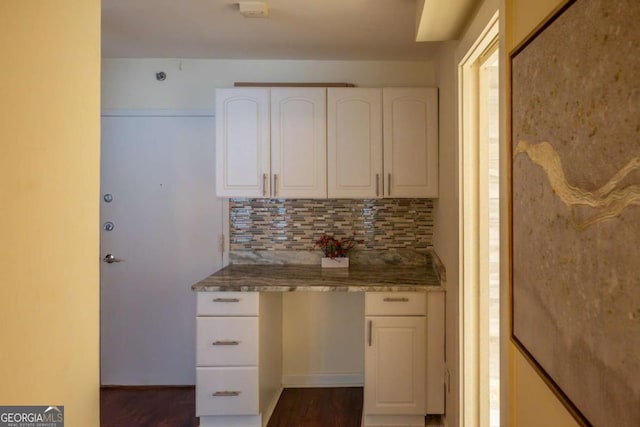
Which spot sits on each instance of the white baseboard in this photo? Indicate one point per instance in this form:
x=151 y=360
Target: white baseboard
x=231 y=421
x=348 y=379
x=392 y=420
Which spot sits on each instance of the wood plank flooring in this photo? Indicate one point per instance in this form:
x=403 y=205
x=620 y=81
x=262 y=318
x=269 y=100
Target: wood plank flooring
x=148 y=407
x=318 y=407
x=175 y=407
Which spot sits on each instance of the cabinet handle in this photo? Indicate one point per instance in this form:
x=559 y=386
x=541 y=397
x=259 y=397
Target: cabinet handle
x=390 y=299
x=275 y=185
x=264 y=184
x=389 y=185
x=369 y=332
x=225 y=343
x=377 y=185
x=226 y=300
x=226 y=393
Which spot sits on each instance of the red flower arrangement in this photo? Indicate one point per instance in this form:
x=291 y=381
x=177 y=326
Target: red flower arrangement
x=334 y=248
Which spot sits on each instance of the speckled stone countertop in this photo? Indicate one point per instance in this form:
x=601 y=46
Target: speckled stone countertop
x=287 y=278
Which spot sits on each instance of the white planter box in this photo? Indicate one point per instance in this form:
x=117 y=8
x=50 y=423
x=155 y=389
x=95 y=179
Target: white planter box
x=335 y=262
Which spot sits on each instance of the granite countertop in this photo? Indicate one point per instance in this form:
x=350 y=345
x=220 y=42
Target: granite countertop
x=286 y=278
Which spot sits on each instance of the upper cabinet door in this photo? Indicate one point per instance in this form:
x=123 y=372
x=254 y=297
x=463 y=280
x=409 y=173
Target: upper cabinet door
x=242 y=142
x=410 y=142
x=299 y=142
x=354 y=142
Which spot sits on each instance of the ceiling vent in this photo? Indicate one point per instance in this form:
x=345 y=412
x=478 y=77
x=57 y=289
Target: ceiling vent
x=254 y=9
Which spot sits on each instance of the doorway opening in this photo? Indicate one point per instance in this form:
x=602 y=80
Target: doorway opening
x=479 y=128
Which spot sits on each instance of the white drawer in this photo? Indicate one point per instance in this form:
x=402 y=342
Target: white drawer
x=395 y=304
x=227 y=341
x=226 y=391
x=227 y=304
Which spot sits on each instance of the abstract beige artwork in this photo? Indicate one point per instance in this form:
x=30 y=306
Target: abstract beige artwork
x=575 y=144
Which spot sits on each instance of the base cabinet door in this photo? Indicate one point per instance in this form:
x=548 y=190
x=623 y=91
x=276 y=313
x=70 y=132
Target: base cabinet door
x=394 y=364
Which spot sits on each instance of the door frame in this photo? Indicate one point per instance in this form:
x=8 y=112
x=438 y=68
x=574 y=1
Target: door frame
x=470 y=345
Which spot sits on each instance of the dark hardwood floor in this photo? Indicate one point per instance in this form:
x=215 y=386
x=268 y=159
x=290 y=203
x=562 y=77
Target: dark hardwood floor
x=175 y=407
x=318 y=407
x=148 y=407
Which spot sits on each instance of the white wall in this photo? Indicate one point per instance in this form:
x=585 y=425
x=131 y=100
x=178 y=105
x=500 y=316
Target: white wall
x=310 y=337
x=323 y=338
x=190 y=83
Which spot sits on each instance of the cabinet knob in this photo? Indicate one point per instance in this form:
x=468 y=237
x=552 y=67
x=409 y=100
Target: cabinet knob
x=226 y=300
x=391 y=299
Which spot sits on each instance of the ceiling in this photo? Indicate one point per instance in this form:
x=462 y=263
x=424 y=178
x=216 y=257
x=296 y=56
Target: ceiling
x=294 y=29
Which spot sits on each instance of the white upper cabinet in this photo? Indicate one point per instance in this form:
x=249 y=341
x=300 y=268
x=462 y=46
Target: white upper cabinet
x=318 y=142
x=354 y=142
x=299 y=142
x=271 y=142
x=410 y=142
x=242 y=142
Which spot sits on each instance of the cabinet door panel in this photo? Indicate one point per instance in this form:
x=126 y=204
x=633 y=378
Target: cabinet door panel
x=242 y=142
x=410 y=142
x=395 y=362
x=354 y=142
x=298 y=142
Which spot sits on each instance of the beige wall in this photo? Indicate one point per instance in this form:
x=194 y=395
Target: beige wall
x=49 y=188
x=530 y=399
x=445 y=236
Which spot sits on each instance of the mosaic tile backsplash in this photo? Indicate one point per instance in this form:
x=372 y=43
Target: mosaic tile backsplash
x=382 y=224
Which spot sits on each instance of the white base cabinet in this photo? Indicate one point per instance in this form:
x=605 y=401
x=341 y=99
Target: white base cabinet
x=403 y=358
x=238 y=354
x=239 y=358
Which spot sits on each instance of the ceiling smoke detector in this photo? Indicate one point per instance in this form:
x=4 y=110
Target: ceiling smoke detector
x=254 y=9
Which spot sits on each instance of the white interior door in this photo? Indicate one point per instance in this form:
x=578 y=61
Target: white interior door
x=167 y=222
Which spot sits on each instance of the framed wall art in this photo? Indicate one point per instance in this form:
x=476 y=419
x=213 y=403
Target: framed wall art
x=575 y=207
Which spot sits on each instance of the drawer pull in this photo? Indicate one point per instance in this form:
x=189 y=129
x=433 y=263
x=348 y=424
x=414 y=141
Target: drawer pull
x=225 y=343
x=226 y=393
x=264 y=184
x=390 y=299
x=226 y=300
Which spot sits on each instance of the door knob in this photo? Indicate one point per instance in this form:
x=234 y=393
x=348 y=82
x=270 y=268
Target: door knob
x=110 y=259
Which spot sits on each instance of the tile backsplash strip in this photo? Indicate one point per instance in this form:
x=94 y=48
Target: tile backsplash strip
x=285 y=225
